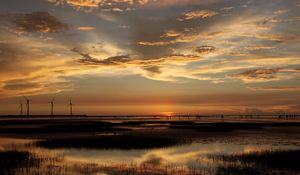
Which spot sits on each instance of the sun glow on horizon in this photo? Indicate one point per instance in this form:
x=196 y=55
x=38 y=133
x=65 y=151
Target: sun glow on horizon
x=168 y=114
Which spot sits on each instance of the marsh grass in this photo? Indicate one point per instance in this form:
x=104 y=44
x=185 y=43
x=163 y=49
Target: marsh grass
x=25 y=163
x=277 y=162
x=120 y=169
x=12 y=162
x=256 y=163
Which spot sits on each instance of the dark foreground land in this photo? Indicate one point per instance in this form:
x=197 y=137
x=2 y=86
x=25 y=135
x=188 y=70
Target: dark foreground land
x=83 y=124
x=140 y=134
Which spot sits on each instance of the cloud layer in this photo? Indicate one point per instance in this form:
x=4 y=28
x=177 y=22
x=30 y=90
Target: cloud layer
x=237 y=47
x=38 y=22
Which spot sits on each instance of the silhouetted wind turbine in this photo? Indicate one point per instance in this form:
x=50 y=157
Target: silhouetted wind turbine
x=71 y=107
x=52 y=104
x=27 y=105
x=21 y=109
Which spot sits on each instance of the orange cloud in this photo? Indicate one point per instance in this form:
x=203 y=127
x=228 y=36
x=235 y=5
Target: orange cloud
x=205 y=49
x=258 y=47
x=122 y=5
x=176 y=38
x=170 y=3
x=171 y=33
x=198 y=14
x=276 y=88
x=84 y=3
x=264 y=75
x=86 y=28
x=78 y=3
x=257 y=75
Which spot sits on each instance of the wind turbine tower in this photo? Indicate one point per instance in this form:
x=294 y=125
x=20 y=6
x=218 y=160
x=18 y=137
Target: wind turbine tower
x=21 y=109
x=71 y=107
x=27 y=105
x=52 y=105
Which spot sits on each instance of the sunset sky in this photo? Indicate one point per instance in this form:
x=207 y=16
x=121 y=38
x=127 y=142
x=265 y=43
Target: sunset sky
x=150 y=56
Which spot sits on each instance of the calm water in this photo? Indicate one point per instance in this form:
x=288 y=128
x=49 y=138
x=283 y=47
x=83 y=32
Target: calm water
x=193 y=158
x=197 y=149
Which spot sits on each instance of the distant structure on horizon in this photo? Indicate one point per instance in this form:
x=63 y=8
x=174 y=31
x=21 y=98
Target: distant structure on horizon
x=71 y=107
x=21 y=108
x=51 y=107
x=27 y=105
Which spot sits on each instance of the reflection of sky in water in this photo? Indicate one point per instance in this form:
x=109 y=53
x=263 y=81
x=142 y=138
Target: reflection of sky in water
x=185 y=155
x=12 y=143
x=179 y=155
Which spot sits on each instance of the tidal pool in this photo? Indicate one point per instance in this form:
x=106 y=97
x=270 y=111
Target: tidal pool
x=212 y=155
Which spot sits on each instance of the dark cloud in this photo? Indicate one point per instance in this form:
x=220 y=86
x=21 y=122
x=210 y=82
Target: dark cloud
x=258 y=74
x=150 y=64
x=205 y=49
x=153 y=69
x=20 y=86
x=85 y=55
x=39 y=22
x=117 y=59
x=114 y=60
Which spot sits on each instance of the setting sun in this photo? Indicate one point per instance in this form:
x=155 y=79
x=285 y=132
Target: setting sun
x=168 y=114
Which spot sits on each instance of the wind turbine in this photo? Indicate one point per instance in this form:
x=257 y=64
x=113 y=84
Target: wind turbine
x=52 y=104
x=27 y=105
x=71 y=107
x=21 y=109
